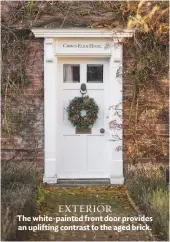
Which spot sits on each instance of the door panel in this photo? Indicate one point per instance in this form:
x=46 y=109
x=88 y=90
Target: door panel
x=74 y=154
x=95 y=151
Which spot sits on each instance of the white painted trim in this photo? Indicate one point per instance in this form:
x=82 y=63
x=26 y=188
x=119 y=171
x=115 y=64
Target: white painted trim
x=117 y=180
x=81 y=32
x=50 y=180
x=50 y=116
x=83 y=55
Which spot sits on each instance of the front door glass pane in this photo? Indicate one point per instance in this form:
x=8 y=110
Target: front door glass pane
x=94 y=73
x=71 y=73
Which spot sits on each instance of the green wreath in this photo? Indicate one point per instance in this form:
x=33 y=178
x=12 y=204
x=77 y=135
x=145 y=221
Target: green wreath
x=75 y=108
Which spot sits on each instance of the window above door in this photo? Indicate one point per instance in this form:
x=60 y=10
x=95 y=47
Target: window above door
x=93 y=73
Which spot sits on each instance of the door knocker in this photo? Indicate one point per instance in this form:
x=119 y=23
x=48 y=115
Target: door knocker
x=83 y=89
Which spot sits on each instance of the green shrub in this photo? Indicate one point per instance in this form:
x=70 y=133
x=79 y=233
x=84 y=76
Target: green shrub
x=148 y=188
x=18 y=189
x=41 y=193
x=159 y=204
x=17 y=172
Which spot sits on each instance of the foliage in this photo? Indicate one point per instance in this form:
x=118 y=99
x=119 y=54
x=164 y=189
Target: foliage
x=159 y=207
x=79 y=104
x=148 y=188
x=18 y=187
x=145 y=66
x=17 y=172
x=40 y=194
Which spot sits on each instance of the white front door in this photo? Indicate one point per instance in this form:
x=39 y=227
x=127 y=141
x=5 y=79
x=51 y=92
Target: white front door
x=83 y=155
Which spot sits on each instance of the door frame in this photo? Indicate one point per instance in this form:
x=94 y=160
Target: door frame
x=109 y=46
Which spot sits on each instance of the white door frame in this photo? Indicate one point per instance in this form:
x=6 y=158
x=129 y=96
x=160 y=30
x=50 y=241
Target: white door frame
x=56 y=44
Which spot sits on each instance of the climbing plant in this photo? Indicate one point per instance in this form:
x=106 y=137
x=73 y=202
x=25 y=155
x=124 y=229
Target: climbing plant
x=145 y=58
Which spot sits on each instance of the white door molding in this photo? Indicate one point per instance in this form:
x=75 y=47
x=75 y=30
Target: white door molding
x=86 y=44
x=81 y=33
x=50 y=113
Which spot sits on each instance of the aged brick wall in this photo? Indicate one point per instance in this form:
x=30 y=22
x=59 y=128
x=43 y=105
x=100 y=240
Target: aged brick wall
x=30 y=144
x=145 y=121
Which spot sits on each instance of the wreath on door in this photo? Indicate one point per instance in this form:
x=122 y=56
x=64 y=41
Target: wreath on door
x=82 y=112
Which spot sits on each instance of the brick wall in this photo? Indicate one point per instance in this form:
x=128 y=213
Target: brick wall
x=29 y=145
x=145 y=122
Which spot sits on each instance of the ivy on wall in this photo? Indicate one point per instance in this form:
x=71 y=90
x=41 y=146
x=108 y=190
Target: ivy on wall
x=145 y=65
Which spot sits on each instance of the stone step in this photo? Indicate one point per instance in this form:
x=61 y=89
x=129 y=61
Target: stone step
x=82 y=182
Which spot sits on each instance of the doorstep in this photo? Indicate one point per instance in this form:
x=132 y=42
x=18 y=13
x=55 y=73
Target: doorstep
x=83 y=182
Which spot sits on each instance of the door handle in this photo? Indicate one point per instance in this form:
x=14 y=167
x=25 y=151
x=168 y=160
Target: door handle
x=102 y=131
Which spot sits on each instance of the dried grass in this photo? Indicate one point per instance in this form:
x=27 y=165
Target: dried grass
x=148 y=188
x=18 y=195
